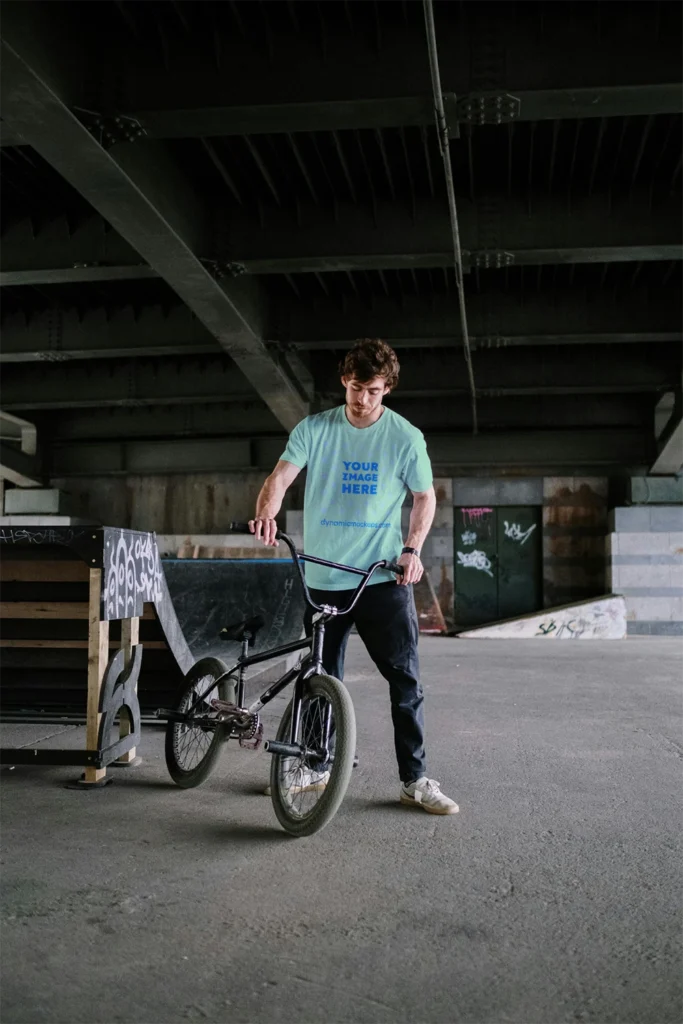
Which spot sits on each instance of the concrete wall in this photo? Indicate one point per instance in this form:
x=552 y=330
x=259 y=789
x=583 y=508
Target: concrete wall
x=645 y=564
x=643 y=559
x=574 y=528
x=437 y=553
x=194 y=503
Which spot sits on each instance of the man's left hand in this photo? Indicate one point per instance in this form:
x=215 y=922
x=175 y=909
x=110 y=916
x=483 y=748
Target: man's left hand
x=412 y=569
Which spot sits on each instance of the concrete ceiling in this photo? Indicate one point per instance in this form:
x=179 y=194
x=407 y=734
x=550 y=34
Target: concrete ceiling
x=204 y=204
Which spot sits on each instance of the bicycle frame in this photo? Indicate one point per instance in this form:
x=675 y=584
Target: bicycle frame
x=311 y=665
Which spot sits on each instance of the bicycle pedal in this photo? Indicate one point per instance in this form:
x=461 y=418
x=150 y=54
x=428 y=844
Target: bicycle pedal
x=223 y=705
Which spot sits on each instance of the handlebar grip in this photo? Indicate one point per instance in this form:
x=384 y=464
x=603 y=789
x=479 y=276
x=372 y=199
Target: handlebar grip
x=239 y=528
x=394 y=567
x=244 y=528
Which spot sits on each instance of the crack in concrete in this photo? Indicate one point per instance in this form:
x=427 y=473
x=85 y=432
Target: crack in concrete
x=41 y=739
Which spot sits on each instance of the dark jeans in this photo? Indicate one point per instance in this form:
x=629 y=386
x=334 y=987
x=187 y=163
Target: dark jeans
x=386 y=621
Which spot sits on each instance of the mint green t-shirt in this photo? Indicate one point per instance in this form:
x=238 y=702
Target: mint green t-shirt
x=356 y=483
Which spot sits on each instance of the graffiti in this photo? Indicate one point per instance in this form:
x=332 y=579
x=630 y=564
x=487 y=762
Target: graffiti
x=514 y=532
x=469 y=537
x=474 y=515
x=570 y=628
x=132 y=571
x=475 y=560
x=39 y=536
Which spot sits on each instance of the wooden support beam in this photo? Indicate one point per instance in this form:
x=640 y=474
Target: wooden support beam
x=74 y=645
x=43 y=572
x=98 y=654
x=52 y=609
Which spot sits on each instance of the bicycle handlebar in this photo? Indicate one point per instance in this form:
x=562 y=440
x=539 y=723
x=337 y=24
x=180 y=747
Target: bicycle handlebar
x=298 y=557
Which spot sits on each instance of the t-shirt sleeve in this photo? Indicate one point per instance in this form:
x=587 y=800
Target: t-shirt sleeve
x=417 y=469
x=296 y=451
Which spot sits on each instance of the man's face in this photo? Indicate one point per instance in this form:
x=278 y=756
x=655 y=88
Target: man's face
x=364 y=397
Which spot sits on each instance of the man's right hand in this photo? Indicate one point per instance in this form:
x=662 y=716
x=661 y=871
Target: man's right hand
x=265 y=530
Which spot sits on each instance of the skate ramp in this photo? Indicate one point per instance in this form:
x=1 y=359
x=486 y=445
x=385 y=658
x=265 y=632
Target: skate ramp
x=600 y=618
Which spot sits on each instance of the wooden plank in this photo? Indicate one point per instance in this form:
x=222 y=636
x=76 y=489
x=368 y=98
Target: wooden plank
x=43 y=572
x=98 y=653
x=52 y=609
x=152 y=645
x=130 y=637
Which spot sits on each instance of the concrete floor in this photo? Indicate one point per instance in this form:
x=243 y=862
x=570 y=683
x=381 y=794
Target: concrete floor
x=555 y=895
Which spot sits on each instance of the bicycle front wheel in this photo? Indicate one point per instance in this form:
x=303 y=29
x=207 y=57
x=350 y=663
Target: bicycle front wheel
x=307 y=793
x=192 y=749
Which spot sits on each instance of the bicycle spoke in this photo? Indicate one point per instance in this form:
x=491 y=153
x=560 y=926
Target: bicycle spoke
x=297 y=774
x=191 y=742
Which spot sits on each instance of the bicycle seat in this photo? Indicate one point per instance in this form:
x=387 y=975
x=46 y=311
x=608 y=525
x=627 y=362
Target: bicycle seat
x=245 y=627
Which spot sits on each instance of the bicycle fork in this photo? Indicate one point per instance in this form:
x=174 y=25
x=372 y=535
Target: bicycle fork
x=293 y=748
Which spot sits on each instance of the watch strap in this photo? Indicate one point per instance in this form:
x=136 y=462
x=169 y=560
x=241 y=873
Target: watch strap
x=410 y=551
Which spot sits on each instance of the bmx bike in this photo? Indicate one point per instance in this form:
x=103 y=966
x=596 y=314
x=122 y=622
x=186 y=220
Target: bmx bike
x=314 y=749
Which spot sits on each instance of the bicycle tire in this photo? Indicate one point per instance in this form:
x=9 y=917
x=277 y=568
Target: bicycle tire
x=340 y=771
x=184 y=777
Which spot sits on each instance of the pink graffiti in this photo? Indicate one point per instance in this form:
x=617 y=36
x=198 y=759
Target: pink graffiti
x=474 y=515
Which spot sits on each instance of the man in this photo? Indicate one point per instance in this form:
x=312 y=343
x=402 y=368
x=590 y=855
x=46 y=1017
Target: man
x=361 y=459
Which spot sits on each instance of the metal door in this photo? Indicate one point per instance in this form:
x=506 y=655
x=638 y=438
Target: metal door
x=497 y=563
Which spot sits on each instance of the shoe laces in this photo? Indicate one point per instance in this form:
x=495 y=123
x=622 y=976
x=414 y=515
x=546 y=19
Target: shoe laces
x=432 y=786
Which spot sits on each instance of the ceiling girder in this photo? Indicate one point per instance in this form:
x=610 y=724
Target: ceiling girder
x=354 y=238
x=143 y=195
x=563 y=452
x=214 y=379
x=496 y=318
x=253 y=418
x=58 y=335
x=404 y=111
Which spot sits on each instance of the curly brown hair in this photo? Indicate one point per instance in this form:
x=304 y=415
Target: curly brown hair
x=371 y=357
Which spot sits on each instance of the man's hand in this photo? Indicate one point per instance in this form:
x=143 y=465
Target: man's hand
x=412 y=569
x=265 y=530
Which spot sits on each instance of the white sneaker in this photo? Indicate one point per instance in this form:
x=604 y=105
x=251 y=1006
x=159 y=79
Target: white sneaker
x=306 y=782
x=425 y=793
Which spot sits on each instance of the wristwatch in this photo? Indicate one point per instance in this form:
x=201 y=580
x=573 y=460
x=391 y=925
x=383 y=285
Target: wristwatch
x=410 y=551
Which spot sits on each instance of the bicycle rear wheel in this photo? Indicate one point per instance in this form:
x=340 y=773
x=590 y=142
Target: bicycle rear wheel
x=192 y=750
x=307 y=794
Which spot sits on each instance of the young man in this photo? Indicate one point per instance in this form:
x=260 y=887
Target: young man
x=361 y=459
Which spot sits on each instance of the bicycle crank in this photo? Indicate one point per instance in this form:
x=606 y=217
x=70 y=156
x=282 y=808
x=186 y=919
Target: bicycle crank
x=247 y=726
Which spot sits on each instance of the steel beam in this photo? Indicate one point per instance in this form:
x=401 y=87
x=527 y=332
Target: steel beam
x=522 y=371
x=125 y=383
x=389 y=87
x=254 y=90
x=59 y=248
x=488 y=341
x=565 y=452
x=506 y=256
x=645 y=369
x=355 y=238
x=241 y=419
x=143 y=195
x=394 y=236
x=496 y=319
x=393 y=111
x=58 y=335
